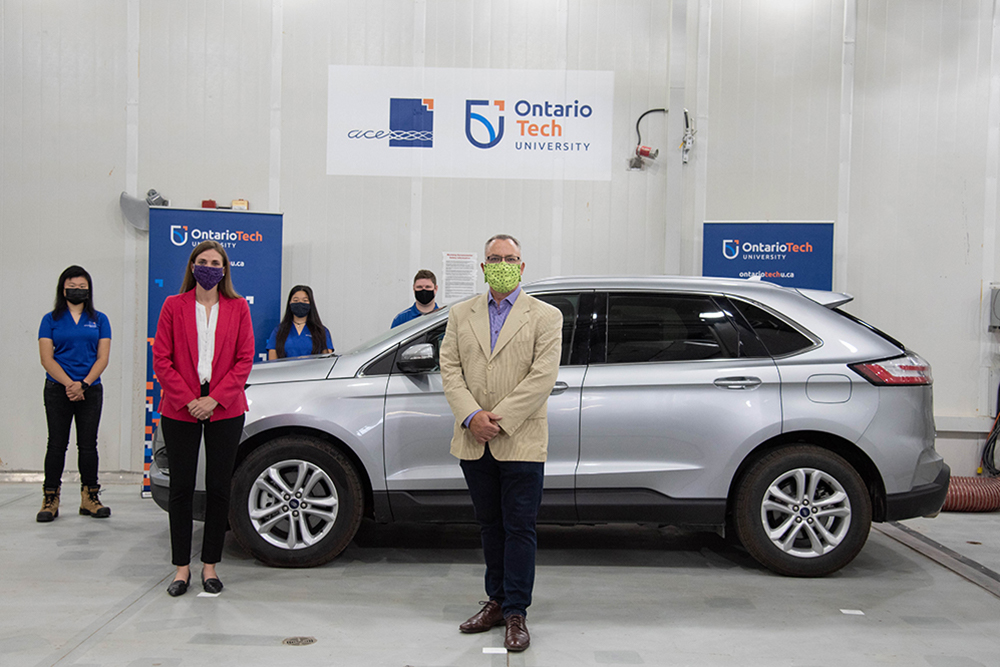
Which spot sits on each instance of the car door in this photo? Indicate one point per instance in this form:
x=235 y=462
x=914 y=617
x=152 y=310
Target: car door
x=423 y=479
x=674 y=388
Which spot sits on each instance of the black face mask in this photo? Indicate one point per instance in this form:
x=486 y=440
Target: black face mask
x=300 y=309
x=77 y=296
x=424 y=296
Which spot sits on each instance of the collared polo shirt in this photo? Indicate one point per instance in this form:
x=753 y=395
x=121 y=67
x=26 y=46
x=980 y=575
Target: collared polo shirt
x=75 y=343
x=410 y=313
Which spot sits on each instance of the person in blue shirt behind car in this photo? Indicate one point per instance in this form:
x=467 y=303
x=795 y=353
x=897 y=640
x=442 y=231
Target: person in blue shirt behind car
x=425 y=287
x=74 y=342
x=301 y=331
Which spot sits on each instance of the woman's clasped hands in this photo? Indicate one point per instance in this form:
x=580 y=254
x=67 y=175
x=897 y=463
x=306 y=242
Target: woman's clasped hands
x=202 y=408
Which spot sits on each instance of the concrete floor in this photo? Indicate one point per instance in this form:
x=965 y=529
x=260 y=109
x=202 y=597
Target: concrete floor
x=88 y=592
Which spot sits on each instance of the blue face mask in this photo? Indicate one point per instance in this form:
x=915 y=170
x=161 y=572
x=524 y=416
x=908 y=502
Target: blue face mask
x=208 y=276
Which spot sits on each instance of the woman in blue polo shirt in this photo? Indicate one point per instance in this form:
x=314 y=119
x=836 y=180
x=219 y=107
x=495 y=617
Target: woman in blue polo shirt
x=301 y=331
x=74 y=342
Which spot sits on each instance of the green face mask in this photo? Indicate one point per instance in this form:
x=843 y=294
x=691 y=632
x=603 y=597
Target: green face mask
x=503 y=277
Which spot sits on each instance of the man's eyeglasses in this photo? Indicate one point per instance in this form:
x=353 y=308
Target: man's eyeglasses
x=510 y=259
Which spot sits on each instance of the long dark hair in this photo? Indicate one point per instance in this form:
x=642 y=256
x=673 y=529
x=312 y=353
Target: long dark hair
x=313 y=321
x=61 y=305
x=226 y=286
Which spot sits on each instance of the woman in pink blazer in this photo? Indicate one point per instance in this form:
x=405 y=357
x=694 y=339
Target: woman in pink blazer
x=202 y=355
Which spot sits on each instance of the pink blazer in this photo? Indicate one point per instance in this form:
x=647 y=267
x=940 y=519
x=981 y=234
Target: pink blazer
x=175 y=357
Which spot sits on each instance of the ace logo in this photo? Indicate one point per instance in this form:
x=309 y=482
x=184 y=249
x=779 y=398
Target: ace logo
x=411 y=123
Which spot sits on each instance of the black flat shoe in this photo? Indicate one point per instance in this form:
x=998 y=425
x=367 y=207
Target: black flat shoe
x=178 y=587
x=212 y=585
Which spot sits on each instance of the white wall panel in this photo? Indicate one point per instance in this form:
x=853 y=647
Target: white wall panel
x=774 y=104
x=62 y=120
x=917 y=187
x=204 y=100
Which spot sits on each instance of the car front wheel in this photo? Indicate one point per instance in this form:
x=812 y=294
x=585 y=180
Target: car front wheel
x=803 y=511
x=296 y=502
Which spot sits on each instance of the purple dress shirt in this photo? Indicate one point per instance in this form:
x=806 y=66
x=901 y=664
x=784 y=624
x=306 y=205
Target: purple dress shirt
x=498 y=315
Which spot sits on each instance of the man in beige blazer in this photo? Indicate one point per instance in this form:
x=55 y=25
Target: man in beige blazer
x=499 y=362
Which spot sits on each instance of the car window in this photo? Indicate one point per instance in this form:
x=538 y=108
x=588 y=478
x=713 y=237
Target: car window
x=667 y=327
x=569 y=305
x=778 y=336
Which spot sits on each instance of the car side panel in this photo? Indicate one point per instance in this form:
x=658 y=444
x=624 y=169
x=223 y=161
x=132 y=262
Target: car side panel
x=349 y=409
x=902 y=449
x=670 y=428
x=825 y=396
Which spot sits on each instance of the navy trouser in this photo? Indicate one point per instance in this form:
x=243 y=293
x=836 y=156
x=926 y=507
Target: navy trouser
x=60 y=413
x=506 y=496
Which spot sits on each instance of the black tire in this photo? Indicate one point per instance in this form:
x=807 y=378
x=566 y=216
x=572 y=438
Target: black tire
x=795 y=528
x=283 y=529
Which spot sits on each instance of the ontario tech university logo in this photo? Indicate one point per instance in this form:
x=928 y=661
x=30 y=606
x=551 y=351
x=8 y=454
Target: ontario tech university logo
x=178 y=234
x=227 y=238
x=493 y=131
x=731 y=249
x=411 y=124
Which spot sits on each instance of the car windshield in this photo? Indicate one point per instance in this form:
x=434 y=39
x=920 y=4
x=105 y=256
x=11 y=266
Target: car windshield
x=391 y=333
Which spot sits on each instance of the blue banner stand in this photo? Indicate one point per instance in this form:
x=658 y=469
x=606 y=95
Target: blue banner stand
x=252 y=241
x=793 y=254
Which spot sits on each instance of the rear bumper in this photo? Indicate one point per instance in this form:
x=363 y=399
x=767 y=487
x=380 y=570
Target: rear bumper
x=921 y=501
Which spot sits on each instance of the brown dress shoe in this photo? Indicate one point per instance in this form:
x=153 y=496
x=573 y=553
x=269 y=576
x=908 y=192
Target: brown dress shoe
x=488 y=617
x=517 y=637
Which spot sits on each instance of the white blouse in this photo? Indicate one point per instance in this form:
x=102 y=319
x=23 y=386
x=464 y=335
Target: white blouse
x=206 y=339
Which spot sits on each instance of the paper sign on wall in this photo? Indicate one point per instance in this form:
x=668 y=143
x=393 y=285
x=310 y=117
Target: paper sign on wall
x=461 y=271
x=470 y=123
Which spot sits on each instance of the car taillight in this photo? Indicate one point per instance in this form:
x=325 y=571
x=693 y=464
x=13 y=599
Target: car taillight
x=905 y=370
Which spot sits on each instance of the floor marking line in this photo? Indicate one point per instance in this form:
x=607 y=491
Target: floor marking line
x=965 y=567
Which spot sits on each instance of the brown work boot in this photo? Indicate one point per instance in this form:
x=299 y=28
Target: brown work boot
x=90 y=504
x=50 y=505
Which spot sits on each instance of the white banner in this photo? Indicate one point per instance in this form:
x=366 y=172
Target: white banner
x=470 y=123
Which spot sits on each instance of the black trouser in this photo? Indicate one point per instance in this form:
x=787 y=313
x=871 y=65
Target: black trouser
x=60 y=413
x=183 y=440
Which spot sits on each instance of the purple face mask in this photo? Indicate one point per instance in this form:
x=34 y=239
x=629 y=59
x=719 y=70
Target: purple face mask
x=208 y=276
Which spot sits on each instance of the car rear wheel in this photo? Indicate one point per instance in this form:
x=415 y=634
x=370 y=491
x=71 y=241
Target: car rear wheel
x=803 y=511
x=296 y=502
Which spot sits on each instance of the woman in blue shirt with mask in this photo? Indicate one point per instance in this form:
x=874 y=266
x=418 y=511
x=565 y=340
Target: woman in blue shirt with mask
x=301 y=331
x=74 y=342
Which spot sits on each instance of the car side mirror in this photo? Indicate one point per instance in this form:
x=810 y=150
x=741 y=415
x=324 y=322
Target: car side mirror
x=418 y=358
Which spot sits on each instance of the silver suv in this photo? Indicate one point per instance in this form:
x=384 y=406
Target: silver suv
x=731 y=405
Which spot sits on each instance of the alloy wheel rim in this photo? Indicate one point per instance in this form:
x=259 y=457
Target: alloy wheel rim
x=806 y=512
x=293 y=504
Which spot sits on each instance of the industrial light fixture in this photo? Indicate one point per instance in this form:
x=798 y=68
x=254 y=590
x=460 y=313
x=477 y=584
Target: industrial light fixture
x=136 y=210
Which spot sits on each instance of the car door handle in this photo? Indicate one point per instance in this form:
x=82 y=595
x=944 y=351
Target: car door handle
x=737 y=382
x=559 y=388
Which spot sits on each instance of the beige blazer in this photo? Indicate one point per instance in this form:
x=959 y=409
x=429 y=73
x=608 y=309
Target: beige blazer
x=513 y=381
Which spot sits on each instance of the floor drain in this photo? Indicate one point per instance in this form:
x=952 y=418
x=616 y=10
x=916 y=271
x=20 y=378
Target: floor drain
x=298 y=641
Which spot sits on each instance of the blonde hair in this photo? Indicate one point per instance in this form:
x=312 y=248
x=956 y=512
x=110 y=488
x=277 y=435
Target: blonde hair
x=226 y=286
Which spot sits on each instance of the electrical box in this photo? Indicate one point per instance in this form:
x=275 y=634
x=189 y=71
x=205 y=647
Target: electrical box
x=994 y=307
